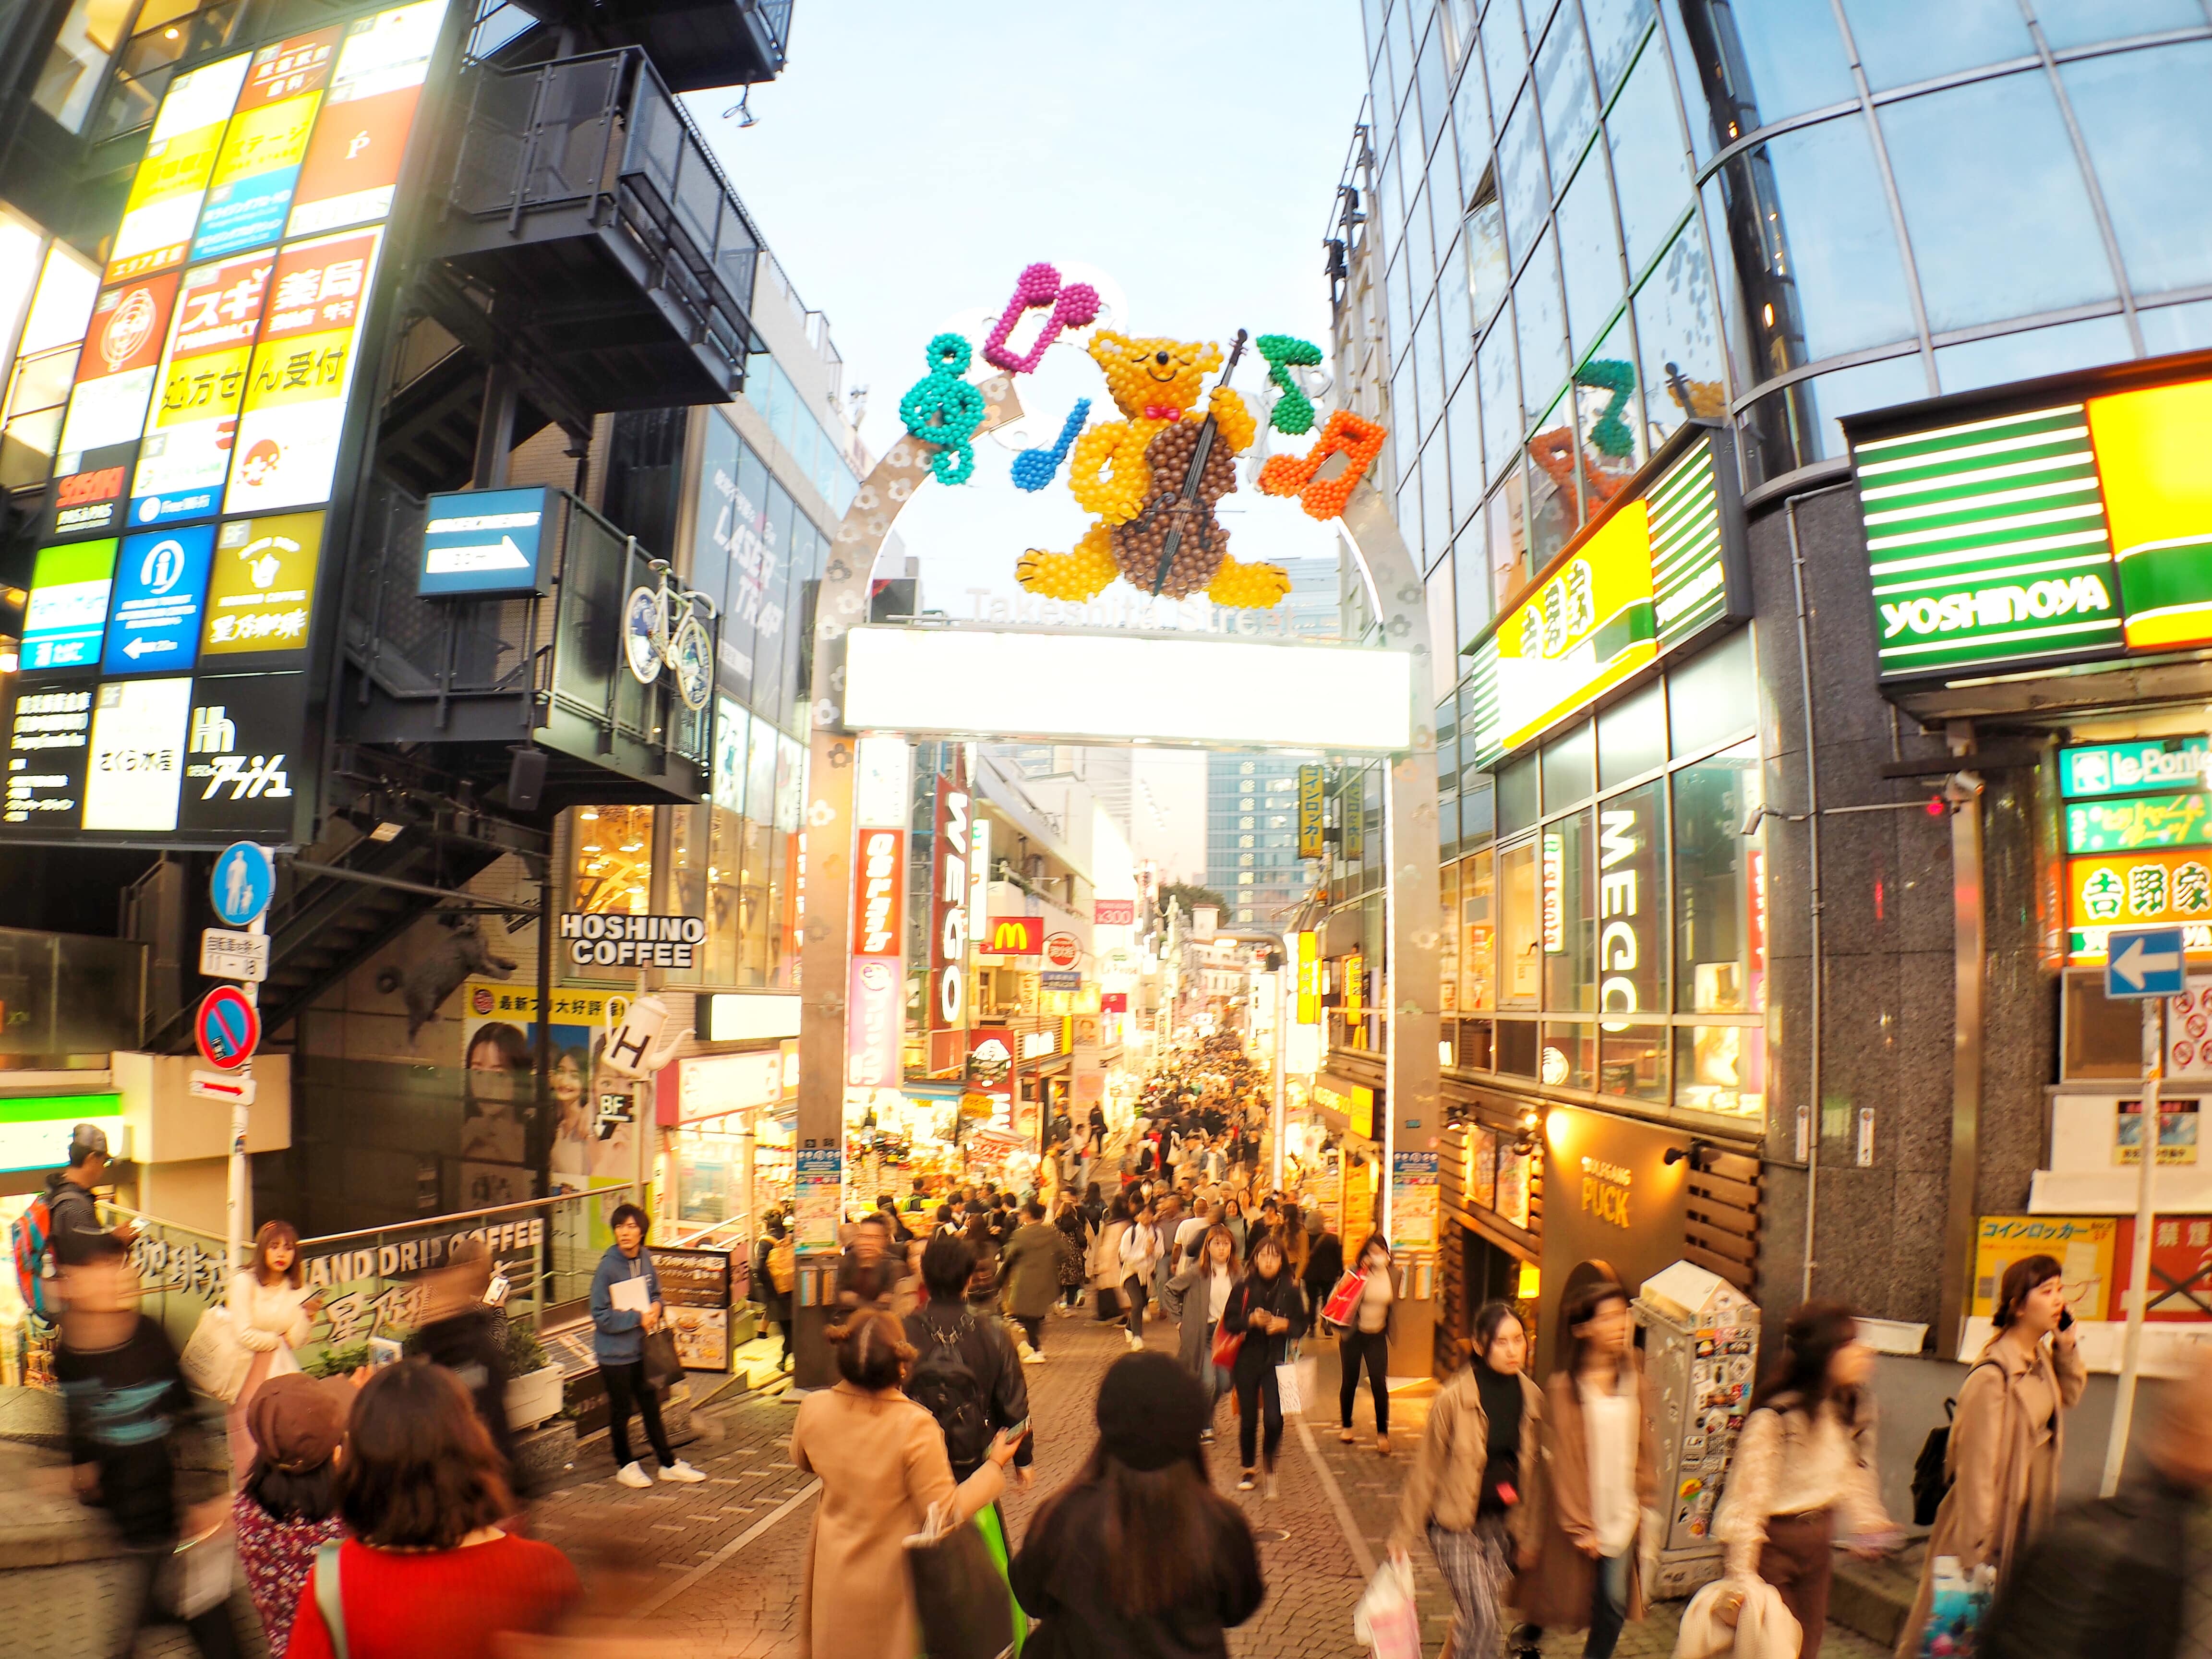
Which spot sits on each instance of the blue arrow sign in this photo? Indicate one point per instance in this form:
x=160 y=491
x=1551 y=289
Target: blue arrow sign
x=241 y=882
x=2146 y=962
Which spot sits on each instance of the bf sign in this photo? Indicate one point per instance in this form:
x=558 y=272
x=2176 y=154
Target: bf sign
x=631 y=1048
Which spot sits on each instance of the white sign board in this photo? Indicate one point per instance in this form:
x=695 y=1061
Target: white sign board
x=241 y=956
x=236 y=1087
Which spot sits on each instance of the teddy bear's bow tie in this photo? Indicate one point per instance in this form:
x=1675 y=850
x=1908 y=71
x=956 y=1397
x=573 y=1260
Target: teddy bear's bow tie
x=1162 y=412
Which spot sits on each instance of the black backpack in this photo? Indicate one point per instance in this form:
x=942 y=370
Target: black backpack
x=1930 y=1484
x=942 y=1384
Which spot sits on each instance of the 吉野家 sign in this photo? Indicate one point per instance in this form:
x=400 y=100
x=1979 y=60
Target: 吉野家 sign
x=2069 y=530
x=1310 y=796
x=590 y=939
x=484 y=541
x=1652 y=576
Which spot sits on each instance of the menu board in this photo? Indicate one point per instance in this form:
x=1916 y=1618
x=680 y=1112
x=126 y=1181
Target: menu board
x=694 y=1289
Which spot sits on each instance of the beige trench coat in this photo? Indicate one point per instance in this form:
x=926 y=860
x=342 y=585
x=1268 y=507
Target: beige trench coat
x=1555 y=1592
x=1446 y=1484
x=2004 y=1486
x=881 y=1461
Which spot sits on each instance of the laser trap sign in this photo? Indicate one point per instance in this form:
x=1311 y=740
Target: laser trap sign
x=589 y=939
x=484 y=541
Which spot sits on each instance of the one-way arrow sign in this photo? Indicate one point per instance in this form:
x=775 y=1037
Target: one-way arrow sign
x=2145 y=963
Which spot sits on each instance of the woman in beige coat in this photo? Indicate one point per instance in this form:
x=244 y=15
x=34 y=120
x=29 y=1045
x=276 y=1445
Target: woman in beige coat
x=1471 y=1493
x=1601 y=1470
x=883 y=1465
x=2008 y=1435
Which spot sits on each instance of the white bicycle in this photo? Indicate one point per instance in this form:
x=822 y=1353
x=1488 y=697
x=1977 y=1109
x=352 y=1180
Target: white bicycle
x=661 y=628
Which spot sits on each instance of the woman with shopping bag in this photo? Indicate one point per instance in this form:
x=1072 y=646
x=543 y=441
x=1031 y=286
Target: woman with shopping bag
x=1804 y=1472
x=1601 y=1467
x=267 y=1308
x=883 y=1468
x=1472 y=1493
x=1269 y=1311
x=1366 y=1325
x=1196 y=1299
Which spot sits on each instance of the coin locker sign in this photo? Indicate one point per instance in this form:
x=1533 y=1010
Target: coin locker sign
x=1310 y=784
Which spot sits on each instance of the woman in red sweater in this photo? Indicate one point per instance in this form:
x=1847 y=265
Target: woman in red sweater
x=426 y=1570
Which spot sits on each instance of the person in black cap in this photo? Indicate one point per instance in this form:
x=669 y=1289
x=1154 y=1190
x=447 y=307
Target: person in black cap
x=1138 y=1554
x=68 y=1197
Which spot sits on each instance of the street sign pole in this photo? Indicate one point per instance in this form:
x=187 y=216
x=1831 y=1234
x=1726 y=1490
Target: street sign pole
x=240 y=883
x=2145 y=964
x=238 y=1204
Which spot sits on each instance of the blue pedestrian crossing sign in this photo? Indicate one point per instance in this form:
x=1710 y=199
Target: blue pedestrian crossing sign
x=2143 y=962
x=243 y=880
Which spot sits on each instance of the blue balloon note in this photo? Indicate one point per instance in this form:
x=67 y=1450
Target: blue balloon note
x=1034 y=468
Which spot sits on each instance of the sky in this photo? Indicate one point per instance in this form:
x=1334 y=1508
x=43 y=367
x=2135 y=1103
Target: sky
x=1183 y=157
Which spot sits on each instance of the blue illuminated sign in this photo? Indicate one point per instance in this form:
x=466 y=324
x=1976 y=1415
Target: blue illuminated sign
x=161 y=594
x=483 y=541
x=201 y=503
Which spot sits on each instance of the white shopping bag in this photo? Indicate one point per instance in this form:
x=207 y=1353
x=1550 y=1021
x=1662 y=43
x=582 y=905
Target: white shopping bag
x=1387 y=1619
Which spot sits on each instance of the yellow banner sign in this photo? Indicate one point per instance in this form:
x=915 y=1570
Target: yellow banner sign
x=1309 y=812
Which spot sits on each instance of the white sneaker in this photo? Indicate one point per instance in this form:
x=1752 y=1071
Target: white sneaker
x=680 y=1470
x=1033 y=1357
x=630 y=1475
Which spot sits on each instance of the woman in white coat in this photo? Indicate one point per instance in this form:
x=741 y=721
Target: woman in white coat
x=269 y=1318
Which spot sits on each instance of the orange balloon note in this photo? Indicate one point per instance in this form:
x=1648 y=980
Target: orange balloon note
x=1358 y=440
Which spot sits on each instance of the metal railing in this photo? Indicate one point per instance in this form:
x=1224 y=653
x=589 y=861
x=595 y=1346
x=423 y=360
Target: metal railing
x=565 y=651
x=602 y=131
x=68 y=997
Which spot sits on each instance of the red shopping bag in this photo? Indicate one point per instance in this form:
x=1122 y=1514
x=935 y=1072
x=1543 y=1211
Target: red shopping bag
x=1343 y=1301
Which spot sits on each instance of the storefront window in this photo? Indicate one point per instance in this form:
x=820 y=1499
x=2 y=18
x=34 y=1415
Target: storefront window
x=613 y=868
x=1631 y=860
x=1521 y=947
x=1517 y=1047
x=1721 y=1069
x=1477 y=984
x=1632 y=1061
x=1447 y=938
x=1720 y=900
x=1569 y=914
x=1567 y=1056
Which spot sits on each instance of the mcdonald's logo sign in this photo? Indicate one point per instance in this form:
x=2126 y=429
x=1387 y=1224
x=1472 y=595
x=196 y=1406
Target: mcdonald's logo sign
x=1013 y=936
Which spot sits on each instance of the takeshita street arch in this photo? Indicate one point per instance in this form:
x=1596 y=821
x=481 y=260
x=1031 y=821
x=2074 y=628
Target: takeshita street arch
x=1330 y=481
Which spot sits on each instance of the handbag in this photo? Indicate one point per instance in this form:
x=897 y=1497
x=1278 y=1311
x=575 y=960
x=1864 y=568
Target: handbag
x=1226 y=1343
x=201 y=1569
x=962 y=1609
x=663 y=1369
x=1294 y=1384
x=1388 y=1618
x=1343 y=1303
x=215 y=1361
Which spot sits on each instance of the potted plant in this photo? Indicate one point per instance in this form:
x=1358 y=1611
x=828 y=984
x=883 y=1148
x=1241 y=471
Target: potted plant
x=533 y=1391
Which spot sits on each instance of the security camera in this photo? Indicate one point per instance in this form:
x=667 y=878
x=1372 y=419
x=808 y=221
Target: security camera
x=1962 y=789
x=1751 y=815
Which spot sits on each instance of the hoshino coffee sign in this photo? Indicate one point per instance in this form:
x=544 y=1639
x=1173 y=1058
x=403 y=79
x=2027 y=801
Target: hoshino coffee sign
x=592 y=940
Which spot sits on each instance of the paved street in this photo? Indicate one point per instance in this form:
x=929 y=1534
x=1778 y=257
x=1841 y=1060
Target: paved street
x=718 y=1567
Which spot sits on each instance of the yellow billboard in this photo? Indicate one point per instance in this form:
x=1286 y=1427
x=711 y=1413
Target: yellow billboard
x=1585 y=630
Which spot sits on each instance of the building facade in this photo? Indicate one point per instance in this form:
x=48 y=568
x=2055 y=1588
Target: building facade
x=1626 y=281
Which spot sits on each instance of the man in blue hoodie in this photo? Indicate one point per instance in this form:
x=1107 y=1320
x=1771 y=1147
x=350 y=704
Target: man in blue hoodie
x=619 y=1329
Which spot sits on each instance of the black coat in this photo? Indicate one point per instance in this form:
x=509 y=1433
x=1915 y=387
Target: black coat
x=1058 y=1578
x=2108 y=1578
x=1324 y=1266
x=1253 y=1294
x=988 y=1353
x=472 y=1345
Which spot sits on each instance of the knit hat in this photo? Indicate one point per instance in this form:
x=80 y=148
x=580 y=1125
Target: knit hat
x=1151 y=1411
x=297 y=1421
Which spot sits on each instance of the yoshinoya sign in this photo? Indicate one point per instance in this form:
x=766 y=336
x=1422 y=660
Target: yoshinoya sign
x=2040 y=530
x=590 y=939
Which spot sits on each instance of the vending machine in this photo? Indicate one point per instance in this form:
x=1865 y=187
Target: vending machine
x=1701 y=1353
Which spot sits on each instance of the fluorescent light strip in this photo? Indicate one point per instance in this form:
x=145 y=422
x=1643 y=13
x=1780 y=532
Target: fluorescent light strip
x=1996 y=578
x=1997 y=642
x=1997 y=423
x=1972 y=452
x=1989 y=550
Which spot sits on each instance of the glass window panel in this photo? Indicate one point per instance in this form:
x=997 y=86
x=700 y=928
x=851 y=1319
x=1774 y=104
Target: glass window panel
x=1520 y=180
x=1564 y=93
x=613 y=869
x=1488 y=273
x=1569 y=767
x=2177 y=328
x=1505 y=57
x=1712 y=697
x=61 y=309
x=1543 y=328
x=1536 y=14
x=1569 y=1052
x=1616 y=28
x=1678 y=338
x=1429 y=74
x=1402 y=21
x=1436 y=498
x=1443 y=623
x=1720 y=911
x=1387 y=212
x=1902 y=41
x=1405 y=417
x=1507 y=517
x=1495 y=367
x=1555 y=511
x=1840 y=286
x=2034 y=351
x=2134 y=106
x=1409 y=503
x=1370 y=17
x=1463 y=426
x=1608 y=416
x=1632 y=1062
x=1566 y=909
x=1697 y=91
x=1632 y=737
x=76 y=61
x=1448 y=935
x=2085 y=23
x=1445 y=196
x=1412 y=154
x=1478 y=806
x=1516 y=795
x=1776 y=59
x=1517 y=1057
x=1631 y=903
x=1650 y=171
x=1471 y=129
x=1520 y=944
x=2000 y=225
x=1471 y=588
x=1478 y=934
x=1429 y=370
x=1589 y=253
x=1454 y=315
x=1721 y=1069
x=1821 y=403
x=1399 y=308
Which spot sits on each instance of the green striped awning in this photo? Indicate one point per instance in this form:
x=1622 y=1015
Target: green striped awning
x=1689 y=582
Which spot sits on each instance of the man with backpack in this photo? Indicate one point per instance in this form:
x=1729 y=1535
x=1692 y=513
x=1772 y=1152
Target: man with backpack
x=965 y=1371
x=61 y=1226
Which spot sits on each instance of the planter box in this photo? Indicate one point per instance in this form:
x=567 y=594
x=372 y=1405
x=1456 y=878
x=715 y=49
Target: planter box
x=542 y=1456
x=533 y=1397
